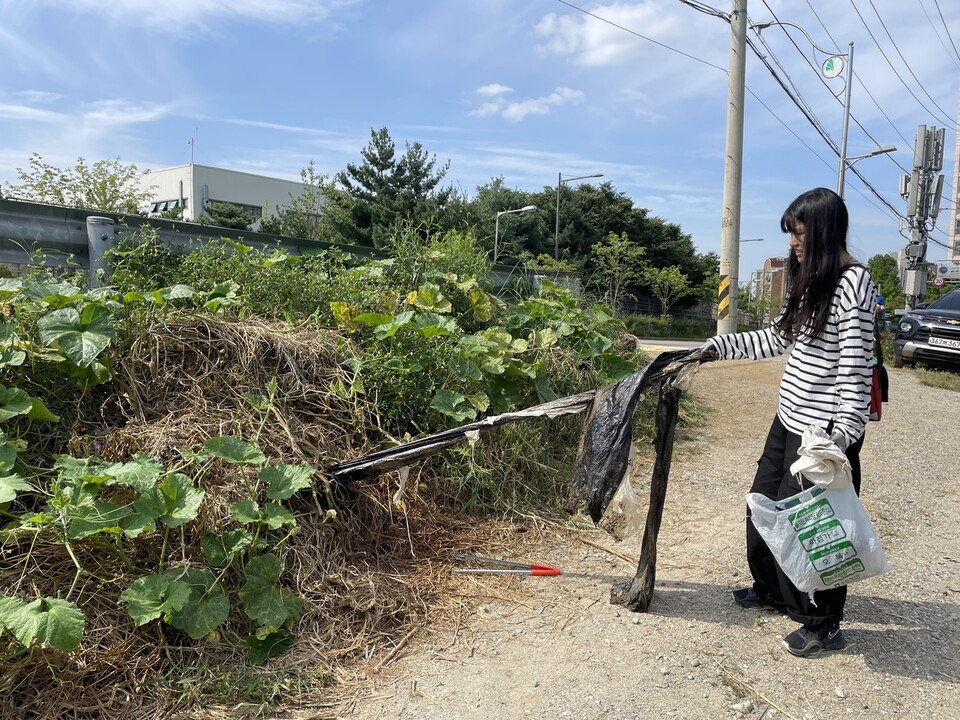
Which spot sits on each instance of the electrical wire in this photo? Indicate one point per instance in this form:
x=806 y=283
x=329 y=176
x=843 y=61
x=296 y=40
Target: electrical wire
x=937 y=33
x=895 y=72
x=815 y=123
x=907 y=142
x=907 y=65
x=644 y=37
x=869 y=94
x=945 y=28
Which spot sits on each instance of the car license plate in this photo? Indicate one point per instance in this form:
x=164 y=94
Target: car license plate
x=945 y=342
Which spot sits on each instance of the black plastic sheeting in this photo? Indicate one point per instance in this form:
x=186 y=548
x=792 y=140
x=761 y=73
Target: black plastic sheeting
x=604 y=445
x=608 y=432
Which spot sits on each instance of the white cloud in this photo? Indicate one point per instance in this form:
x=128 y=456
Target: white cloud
x=493 y=89
x=591 y=42
x=123 y=112
x=490 y=108
x=517 y=110
x=24 y=112
x=38 y=97
x=180 y=15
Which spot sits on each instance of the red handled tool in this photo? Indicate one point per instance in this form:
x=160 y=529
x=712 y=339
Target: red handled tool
x=515 y=567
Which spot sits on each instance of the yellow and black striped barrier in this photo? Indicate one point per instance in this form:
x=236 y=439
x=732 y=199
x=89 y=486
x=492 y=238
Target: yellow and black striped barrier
x=723 y=298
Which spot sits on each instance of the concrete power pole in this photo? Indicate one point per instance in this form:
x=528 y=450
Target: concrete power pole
x=732 y=175
x=922 y=190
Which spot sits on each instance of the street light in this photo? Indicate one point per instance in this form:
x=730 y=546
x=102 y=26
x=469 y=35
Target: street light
x=560 y=180
x=879 y=151
x=831 y=68
x=496 y=227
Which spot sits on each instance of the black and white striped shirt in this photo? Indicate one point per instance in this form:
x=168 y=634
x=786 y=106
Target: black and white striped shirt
x=826 y=378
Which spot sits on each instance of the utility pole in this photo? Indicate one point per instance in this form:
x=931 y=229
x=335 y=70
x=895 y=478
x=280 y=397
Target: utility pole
x=732 y=174
x=922 y=190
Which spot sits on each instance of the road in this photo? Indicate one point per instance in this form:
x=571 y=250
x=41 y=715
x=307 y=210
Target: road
x=658 y=345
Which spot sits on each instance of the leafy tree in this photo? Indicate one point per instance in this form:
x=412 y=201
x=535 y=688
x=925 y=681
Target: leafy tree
x=375 y=196
x=523 y=231
x=883 y=270
x=668 y=285
x=302 y=218
x=546 y=263
x=227 y=215
x=618 y=263
x=107 y=185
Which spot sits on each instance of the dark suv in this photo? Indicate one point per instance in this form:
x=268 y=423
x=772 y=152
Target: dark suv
x=930 y=334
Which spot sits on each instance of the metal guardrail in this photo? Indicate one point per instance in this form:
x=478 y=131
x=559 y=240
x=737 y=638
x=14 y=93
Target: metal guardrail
x=70 y=236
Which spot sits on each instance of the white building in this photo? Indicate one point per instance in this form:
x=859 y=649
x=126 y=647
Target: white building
x=191 y=187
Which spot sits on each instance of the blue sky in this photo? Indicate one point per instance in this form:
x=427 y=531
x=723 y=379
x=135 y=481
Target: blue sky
x=522 y=90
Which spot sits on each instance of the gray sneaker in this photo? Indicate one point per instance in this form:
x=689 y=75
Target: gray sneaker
x=810 y=641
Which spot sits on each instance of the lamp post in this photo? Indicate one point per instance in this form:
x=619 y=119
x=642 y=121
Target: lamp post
x=873 y=153
x=496 y=227
x=831 y=68
x=560 y=180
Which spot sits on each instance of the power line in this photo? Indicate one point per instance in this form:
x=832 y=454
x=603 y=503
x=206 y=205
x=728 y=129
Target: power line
x=819 y=128
x=945 y=28
x=865 y=89
x=895 y=72
x=906 y=64
x=644 y=37
x=706 y=9
x=939 y=37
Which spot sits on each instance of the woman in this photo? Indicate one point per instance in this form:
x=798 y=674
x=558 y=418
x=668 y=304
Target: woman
x=828 y=317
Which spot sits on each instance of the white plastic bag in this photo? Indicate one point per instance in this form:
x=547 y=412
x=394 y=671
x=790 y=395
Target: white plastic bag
x=821 y=538
x=623 y=517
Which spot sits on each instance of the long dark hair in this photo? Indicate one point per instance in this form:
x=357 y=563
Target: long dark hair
x=811 y=282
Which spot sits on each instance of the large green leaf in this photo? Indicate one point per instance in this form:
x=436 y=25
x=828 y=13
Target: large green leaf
x=154 y=595
x=10 y=485
x=262 y=649
x=373 y=319
x=57 y=623
x=13 y=402
x=246 y=511
x=234 y=451
x=174 y=502
x=274 y=516
x=82 y=336
x=386 y=330
x=429 y=297
x=9 y=287
x=464 y=368
x=174 y=292
x=433 y=325
x=449 y=403
x=207 y=607
x=141 y=473
x=219 y=550
x=139 y=522
x=11 y=357
x=263 y=601
x=39 y=411
x=285 y=480
x=101 y=517
x=50 y=291
x=8 y=454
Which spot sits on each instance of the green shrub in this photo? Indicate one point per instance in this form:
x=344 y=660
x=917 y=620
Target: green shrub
x=670 y=327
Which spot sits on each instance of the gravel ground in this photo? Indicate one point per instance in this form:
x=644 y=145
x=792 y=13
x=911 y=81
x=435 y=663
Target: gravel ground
x=556 y=648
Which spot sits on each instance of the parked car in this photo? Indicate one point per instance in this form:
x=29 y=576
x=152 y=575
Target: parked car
x=930 y=334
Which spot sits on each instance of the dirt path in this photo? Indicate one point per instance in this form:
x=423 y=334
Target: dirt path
x=556 y=648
